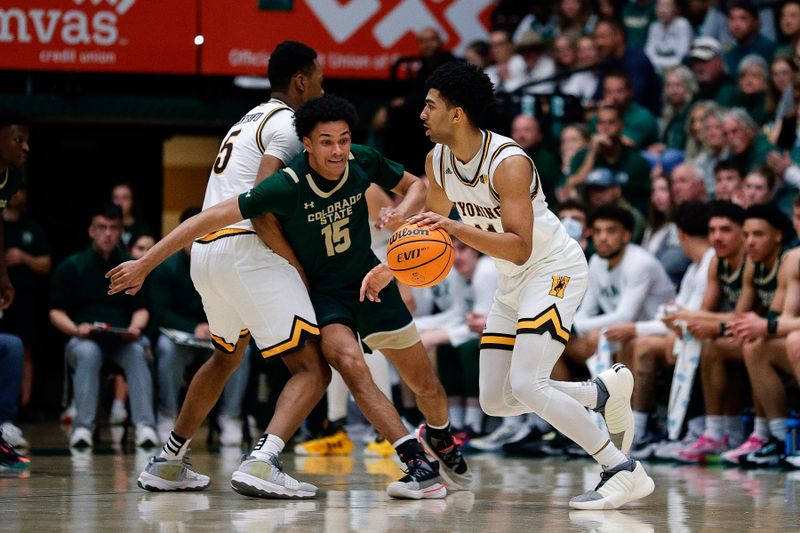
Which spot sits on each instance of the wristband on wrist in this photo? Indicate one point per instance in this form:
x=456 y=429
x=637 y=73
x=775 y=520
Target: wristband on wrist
x=772 y=326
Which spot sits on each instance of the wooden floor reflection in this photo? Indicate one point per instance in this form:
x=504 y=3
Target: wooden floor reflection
x=88 y=492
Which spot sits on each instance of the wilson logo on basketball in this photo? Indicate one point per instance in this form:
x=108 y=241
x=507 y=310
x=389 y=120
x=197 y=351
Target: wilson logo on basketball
x=406 y=232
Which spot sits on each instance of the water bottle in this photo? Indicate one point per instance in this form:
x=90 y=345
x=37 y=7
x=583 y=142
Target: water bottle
x=527 y=104
x=792 y=435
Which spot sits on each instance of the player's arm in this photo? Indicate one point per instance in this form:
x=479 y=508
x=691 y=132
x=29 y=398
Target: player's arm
x=749 y=326
x=130 y=275
x=413 y=190
x=437 y=200
x=6 y=289
x=512 y=181
x=747 y=299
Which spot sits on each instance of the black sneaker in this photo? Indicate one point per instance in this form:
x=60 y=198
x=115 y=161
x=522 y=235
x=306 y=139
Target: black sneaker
x=556 y=446
x=773 y=453
x=12 y=463
x=529 y=445
x=422 y=481
x=646 y=447
x=454 y=468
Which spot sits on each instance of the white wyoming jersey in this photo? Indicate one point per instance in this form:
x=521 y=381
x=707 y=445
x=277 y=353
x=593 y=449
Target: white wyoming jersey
x=470 y=186
x=267 y=129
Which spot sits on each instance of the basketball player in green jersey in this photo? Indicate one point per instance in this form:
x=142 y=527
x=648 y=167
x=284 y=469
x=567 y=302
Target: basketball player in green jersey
x=319 y=200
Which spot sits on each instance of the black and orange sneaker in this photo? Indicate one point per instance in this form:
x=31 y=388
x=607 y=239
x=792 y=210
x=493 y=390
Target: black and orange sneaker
x=454 y=470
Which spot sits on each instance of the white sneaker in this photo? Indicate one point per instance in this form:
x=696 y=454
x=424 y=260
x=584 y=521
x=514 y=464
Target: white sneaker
x=162 y=475
x=118 y=414
x=230 y=431
x=265 y=478
x=164 y=427
x=618 y=486
x=13 y=435
x=617 y=411
x=495 y=440
x=146 y=437
x=81 y=438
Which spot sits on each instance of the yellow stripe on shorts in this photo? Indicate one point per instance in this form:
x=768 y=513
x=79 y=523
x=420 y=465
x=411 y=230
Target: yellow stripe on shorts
x=225 y=232
x=548 y=321
x=301 y=330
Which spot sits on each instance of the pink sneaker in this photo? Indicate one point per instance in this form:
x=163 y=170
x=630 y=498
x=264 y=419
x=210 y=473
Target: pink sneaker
x=752 y=444
x=702 y=447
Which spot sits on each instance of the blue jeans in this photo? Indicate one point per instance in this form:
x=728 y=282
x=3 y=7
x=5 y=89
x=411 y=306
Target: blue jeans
x=172 y=362
x=85 y=357
x=11 y=355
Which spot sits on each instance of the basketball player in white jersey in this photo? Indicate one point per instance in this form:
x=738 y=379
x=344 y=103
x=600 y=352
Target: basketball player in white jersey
x=249 y=288
x=542 y=278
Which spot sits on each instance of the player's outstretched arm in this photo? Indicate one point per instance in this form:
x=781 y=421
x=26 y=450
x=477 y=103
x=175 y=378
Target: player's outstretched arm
x=130 y=275
x=413 y=190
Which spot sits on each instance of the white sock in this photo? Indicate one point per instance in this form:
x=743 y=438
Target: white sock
x=401 y=440
x=268 y=445
x=696 y=425
x=735 y=429
x=715 y=427
x=585 y=392
x=639 y=425
x=761 y=427
x=473 y=419
x=609 y=456
x=777 y=427
x=456 y=412
x=174 y=449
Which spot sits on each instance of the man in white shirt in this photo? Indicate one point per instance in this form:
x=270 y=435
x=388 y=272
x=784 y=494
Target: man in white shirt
x=648 y=344
x=509 y=70
x=628 y=283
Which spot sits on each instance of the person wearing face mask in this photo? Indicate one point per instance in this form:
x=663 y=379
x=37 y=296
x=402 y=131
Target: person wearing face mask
x=573 y=215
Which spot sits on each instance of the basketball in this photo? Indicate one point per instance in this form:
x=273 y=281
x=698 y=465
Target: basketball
x=419 y=256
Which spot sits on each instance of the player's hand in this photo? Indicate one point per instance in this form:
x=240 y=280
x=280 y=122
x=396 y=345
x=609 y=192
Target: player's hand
x=621 y=332
x=433 y=221
x=6 y=292
x=14 y=257
x=133 y=334
x=374 y=282
x=201 y=331
x=703 y=329
x=86 y=330
x=476 y=322
x=390 y=218
x=748 y=327
x=127 y=276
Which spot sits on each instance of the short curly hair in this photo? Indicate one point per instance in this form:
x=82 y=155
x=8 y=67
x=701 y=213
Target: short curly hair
x=327 y=108
x=465 y=86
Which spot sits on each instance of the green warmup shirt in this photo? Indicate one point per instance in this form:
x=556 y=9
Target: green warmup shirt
x=765 y=281
x=730 y=281
x=326 y=222
x=10 y=181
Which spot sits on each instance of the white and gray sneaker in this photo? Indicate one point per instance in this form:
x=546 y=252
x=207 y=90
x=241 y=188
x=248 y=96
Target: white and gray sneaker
x=502 y=435
x=617 y=384
x=163 y=475
x=618 y=486
x=265 y=478
x=422 y=481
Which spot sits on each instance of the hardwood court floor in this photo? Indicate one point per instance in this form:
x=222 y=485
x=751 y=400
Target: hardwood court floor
x=88 y=492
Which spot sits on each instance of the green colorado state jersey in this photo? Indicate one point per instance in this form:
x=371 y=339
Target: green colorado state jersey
x=326 y=222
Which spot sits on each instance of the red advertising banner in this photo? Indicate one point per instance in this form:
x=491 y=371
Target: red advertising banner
x=354 y=38
x=99 y=35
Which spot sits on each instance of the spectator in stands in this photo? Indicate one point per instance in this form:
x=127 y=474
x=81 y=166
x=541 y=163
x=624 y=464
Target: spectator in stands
x=695 y=12
x=574 y=138
x=540 y=19
x=688 y=184
x=580 y=84
x=752 y=90
x=509 y=70
x=607 y=150
x=479 y=54
x=789 y=24
x=11 y=361
x=602 y=188
x=122 y=196
x=79 y=301
x=694 y=127
x=636 y=18
x=716 y=22
x=743 y=25
x=661 y=234
x=711 y=73
x=178 y=313
x=714 y=147
x=628 y=284
x=648 y=345
x=538 y=64
x=575 y=18
x=574 y=215
x=616 y=55
x=455 y=333
x=526 y=132
x=748 y=146
x=140 y=244
x=780 y=93
x=758 y=186
x=679 y=90
x=728 y=182
x=669 y=36
x=640 y=128
x=27 y=255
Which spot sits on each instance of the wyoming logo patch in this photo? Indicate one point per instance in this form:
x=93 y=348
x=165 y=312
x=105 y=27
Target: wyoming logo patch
x=559 y=286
